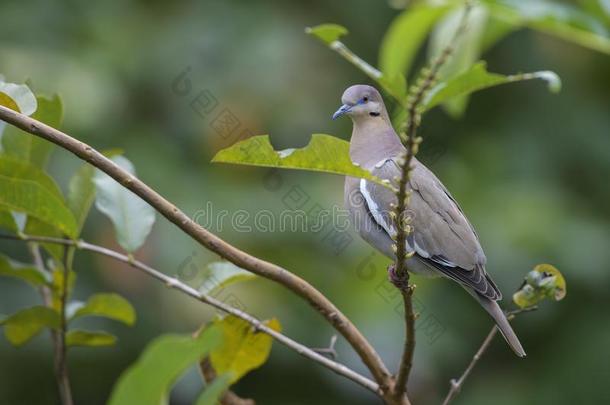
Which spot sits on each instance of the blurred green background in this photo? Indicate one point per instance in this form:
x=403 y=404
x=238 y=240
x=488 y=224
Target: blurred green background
x=530 y=169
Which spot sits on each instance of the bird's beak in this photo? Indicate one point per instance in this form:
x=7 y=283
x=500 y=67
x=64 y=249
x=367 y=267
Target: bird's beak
x=345 y=108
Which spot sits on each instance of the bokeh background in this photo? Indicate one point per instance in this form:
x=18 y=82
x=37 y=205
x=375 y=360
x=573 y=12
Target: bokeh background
x=531 y=170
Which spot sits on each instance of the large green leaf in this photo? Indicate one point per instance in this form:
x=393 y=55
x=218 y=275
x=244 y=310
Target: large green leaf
x=89 y=339
x=81 y=194
x=212 y=393
x=324 y=153
x=34 y=199
x=28 y=147
x=559 y=19
x=478 y=78
x=29 y=274
x=131 y=216
x=149 y=380
x=243 y=348
x=223 y=274
x=107 y=305
x=22 y=326
x=404 y=37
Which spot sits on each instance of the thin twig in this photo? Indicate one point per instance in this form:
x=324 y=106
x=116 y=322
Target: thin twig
x=176 y=284
x=62 y=350
x=456 y=385
x=411 y=143
x=265 y=269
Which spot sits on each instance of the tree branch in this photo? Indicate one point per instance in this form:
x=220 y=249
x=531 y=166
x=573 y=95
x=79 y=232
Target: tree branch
x=229 y=397
x=411 y=142
x=210 y=241
x=456 y=385
x=176 y=284
x=58 y=339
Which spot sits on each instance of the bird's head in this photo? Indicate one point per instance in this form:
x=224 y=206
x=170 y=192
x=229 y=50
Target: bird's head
x=361 y=102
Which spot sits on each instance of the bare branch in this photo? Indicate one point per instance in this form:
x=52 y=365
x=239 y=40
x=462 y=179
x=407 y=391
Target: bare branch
x=456 y=385
x=400 y=274
x=210 y=241
x=176 y=284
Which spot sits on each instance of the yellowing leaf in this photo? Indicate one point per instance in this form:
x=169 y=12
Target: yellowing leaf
x=243 y=348
x=545 y=281
x=17 y=97
x=324 y=153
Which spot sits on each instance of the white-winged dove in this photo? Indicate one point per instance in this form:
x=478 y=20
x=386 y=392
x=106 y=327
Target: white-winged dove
x=442 y=239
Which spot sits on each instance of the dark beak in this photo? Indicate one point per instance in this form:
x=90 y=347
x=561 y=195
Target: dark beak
x=342 y=111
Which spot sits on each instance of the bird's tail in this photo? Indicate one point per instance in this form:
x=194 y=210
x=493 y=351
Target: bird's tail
x=498 y=315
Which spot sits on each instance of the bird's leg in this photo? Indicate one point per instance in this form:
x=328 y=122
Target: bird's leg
x=400 y=281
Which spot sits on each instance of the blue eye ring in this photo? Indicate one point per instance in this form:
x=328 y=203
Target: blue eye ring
x=363 y=100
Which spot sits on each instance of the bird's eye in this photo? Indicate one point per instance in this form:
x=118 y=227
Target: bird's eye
x=365 y=99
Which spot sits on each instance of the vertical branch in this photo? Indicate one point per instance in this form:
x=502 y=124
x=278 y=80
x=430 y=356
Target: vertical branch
x=57 y=337
x=411 y=142
x=61 y=353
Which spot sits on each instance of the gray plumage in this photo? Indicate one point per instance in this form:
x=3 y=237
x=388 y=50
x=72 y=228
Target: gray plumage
x=444 y=241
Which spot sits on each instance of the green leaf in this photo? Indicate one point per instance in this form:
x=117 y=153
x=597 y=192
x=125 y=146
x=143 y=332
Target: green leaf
x=29 y=274
x=39 y=228
x=22 y=326
x=89 y=339
x=545 y=281
x=19 y=169
x=34 y=199
x=28 y=147
x=81 y=194
x=8 y=222
x=478 y=78
x=223 y=274
x=110 y=305
x=17 y=97
x=324 y=153
x=213 y=392
x=131 y=216
x=561 y=20
x=466 y=49
x=327 y=33
x=149 y=380
x=243 y=348
x=404 y=37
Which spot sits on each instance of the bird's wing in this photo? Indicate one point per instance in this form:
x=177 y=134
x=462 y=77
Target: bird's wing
x=442 y=236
